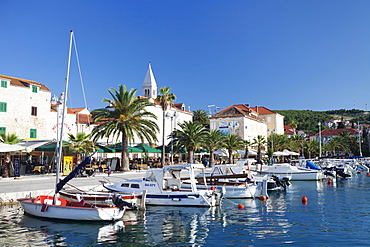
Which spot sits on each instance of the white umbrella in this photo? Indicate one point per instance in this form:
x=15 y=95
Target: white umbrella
x=279 y=153
x=220 y=152
x=250 y=152
x=10 y=147
x=290 y=152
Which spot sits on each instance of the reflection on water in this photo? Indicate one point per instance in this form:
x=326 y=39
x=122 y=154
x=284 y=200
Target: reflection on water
x=325 y=221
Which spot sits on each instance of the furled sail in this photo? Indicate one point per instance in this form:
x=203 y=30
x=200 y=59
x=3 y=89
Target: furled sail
x=72 y=174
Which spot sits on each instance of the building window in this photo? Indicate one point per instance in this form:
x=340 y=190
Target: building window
x=4 y=84
x=2 y=130
x=2 y=106
x=34 y=89
x=34 y=111
x=33 y=133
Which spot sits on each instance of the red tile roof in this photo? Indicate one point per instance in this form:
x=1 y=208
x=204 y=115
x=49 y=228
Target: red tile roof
x=262 y=110
x=20 y=82
x=237 y=111
x=337 y=132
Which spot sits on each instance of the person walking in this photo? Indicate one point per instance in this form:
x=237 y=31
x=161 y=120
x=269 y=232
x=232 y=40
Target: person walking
x=109 y=170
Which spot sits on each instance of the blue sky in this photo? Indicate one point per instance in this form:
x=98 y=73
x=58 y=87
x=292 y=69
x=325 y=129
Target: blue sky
x=299 y=55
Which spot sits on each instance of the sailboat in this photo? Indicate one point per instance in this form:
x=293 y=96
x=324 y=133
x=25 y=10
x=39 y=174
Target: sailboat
x=54 y=207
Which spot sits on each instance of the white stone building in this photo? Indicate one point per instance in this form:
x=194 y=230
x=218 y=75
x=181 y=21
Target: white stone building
x=28 y=109
x=24 y=108
x=247 y=122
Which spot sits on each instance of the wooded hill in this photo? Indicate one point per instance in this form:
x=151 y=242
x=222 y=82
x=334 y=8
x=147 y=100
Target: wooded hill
x=308 y=120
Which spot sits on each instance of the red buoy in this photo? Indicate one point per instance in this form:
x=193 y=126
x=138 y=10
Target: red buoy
x=368 y=173
x=213 y=188
x=304 y=199
x=263 y=198
x=240 y=206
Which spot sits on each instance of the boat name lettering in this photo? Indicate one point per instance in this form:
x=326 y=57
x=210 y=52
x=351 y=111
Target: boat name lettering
x=149 y=185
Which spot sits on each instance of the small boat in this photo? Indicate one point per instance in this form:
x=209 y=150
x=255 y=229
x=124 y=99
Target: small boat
x=47 y=207
x=54 y=207
x=101 y=197
x=241 y=173
x=163 y=186
x=294 y=172
x=232 y=186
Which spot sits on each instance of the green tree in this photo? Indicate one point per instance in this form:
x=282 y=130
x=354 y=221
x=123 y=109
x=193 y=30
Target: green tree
x=312 y=148
x=247 y=144
x=9 y=138
x=213 y=140
x=81 y=144
x=232 y=143
x=190 y=137
x=296 y=143
x=165 y=99
x=201 y=116
x=294 y=126
x=259 y=142
x=127 y=118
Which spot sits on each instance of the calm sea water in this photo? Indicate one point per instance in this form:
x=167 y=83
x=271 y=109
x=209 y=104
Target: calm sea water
x=336 y=215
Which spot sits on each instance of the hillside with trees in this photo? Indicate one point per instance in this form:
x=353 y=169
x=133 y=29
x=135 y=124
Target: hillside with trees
x=308 y=120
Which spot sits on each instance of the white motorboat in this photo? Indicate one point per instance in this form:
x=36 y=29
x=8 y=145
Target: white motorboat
x=163 y=186
x=241 y=172
x=294 y=172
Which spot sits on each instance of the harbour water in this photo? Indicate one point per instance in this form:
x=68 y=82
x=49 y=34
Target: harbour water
x=335 y=215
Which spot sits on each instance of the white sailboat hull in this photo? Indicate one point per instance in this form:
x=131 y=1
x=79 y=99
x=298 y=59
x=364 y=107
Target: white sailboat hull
x=235 y=191
x=200 y=199
x=295 y=173
x=44 y=209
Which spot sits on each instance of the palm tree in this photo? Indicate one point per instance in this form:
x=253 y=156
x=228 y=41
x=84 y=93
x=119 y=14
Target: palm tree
x=294 y=126
x=81 y=144
x=260 y=143
x=247 y=144
x=190 y=137
x=201 y=116
x=9 y=138
x=296 y=143
x=213 y=140
x=232 y=143
x=128 y=117
x=165 y=99
x=312 y=148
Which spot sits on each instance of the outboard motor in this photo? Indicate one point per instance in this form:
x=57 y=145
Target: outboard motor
x=119 y=202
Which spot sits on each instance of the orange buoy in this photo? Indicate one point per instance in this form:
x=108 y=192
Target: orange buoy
x=304 y=199
x=240 y=206
x=263 y=198
x=368 y=173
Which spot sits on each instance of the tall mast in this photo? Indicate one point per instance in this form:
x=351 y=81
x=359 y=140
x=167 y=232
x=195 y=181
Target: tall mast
x=64 y=102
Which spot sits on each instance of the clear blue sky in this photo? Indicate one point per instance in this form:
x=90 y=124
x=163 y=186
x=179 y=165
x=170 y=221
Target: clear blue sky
x=279 y=54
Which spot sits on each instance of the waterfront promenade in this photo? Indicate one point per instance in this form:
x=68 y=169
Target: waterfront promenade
x=13 y=188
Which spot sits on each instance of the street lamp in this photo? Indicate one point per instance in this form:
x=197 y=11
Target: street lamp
x=209 y=109
x=359 y=138
x=320 y=137
x=172 y=116
x=272 y=143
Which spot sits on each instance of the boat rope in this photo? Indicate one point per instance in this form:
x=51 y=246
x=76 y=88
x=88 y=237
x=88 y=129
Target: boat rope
x=79 y=71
